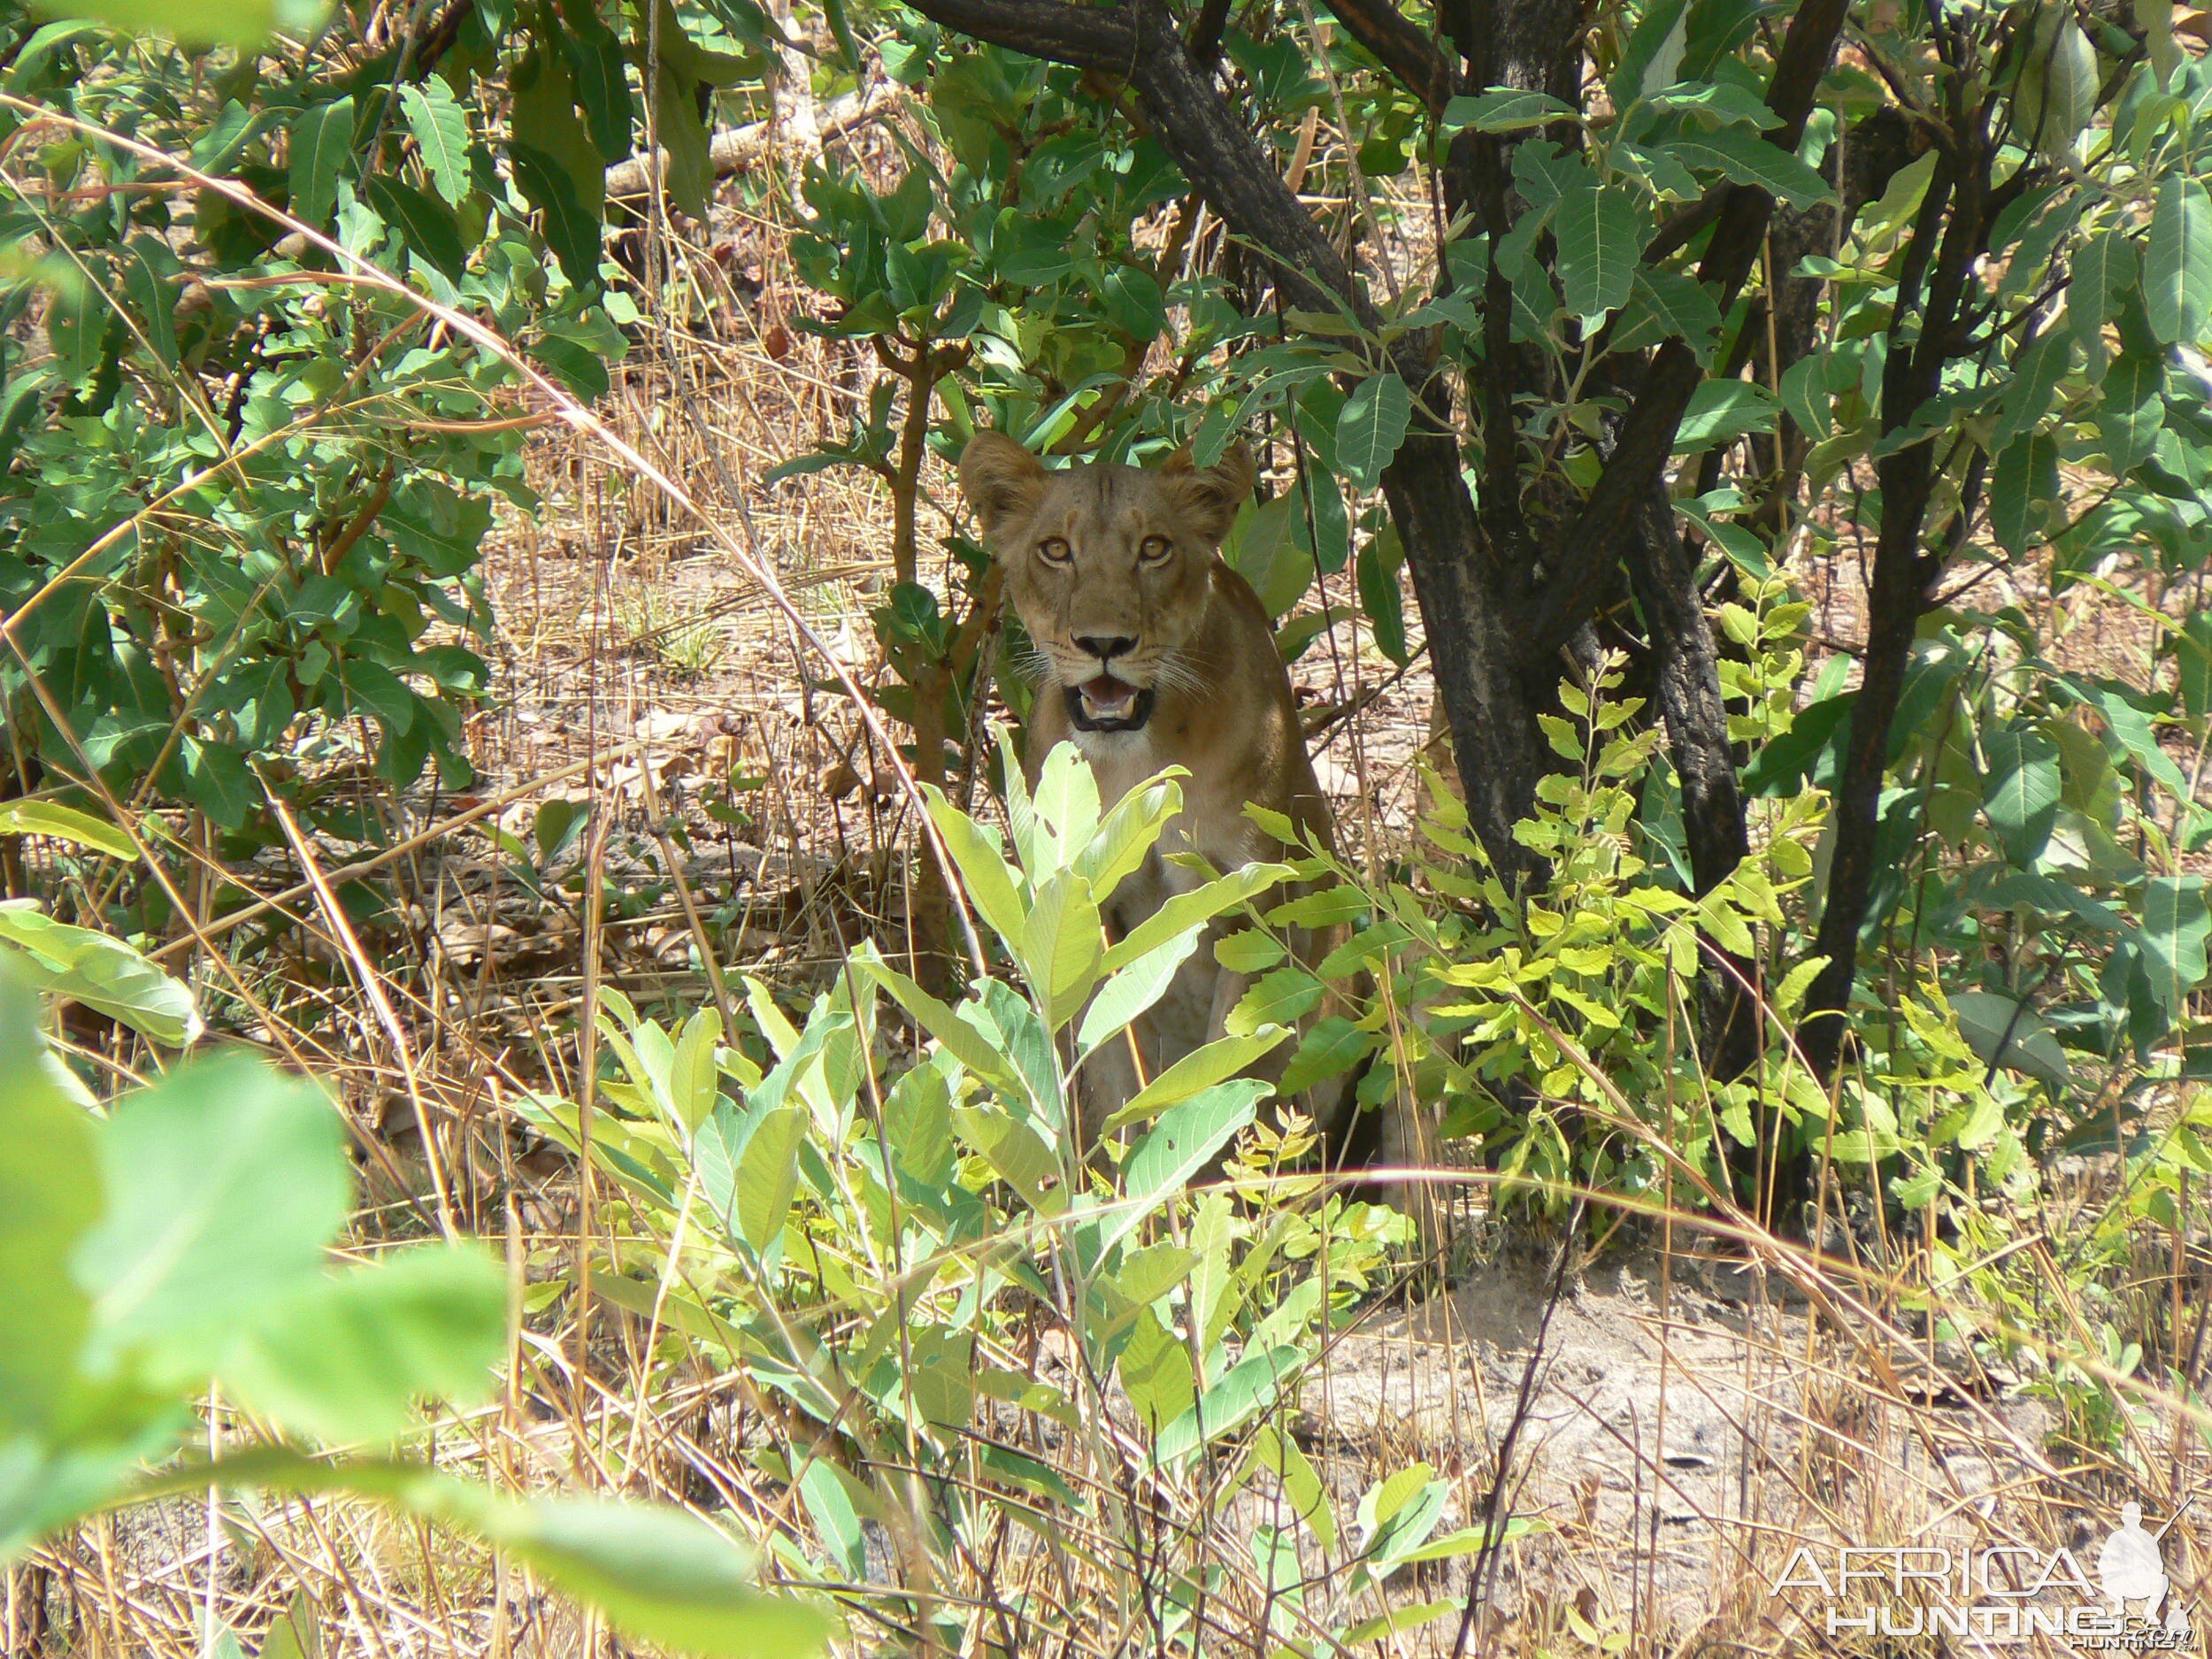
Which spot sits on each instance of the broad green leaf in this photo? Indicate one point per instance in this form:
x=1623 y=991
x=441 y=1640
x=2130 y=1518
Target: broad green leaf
x=424 y=224
x=49 y=1199
x=961 y=1040
x=226 y=1182
x=2007 y=1033
x=1129 y=831
x=2022 y=795
x=660 y=1575
x=1333 y=1047
x=1742 y=156
x=1721 y=411
x=245 y=22
x=1156 y=1373
x=993 y=886
x=1503 y=110
x=1372 y=426
x=441 y=135
x=1599 y=234
x=1184 y=1139
x=1273 y=1448
x=1666 y=302
x=2035 y=380
x=67 y=824
x=1280 y=998
x=603 y=86
x=2104 y=269
x=1201 y=1069
x=693 y=1079
x=2024 y=477
x=1377 y=574
x=1133 y=990
x=2177 y=263
x=572 y=229
x=1017 y=1155
x=2130 y=410
x=1262 y=549
x=2176 y=925
x=1066 y=805
x=1191 y=909
x=1061 y=945
x=1252 y=1385
x=768 y=1174
x=346 y=1357
x=80 y=965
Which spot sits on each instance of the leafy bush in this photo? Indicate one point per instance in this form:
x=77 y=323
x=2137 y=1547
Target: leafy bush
x=179 y=1242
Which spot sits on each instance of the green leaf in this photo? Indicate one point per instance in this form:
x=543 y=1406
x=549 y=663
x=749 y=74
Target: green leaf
x=1251 y=1386
x=1505 y=111
x=1156 y=1373
x=2007 y=1033
x=2178 y=263
x=245 y=22
x=1372 y=426
x=441 y=135
x=768 y=1174
x=1380 y=596
x=2025 y=476
x=225 y=1181
x=1599 y=232
x=602 y=86
x=993 y=886
x=80 y=965
x=1133 y=990
x=1201 y=1069
x=347 y=1357
x=1193 y=908
x=1721 y=411
x=67 y=824
x=572 y=231
x=660 y=1575
x=2132 y=411
x=1132 y=302
x=693 y=1081
x=49 y=1199
x=1185 y=1139
x=1061 y=944
x=425 y=225
x=1745 y=157
x=2034 y=382
x=2020 y=797
x=2176 y=925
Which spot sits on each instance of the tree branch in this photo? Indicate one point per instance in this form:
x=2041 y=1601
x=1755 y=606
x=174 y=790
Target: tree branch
x=1405 y=50
x=1103 y=38
x=1647 y=434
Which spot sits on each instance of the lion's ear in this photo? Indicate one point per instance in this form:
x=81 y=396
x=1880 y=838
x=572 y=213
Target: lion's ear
x=998 y=478
x=1212 y=495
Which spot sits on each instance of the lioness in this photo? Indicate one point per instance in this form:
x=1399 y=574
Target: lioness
x=1154 y=653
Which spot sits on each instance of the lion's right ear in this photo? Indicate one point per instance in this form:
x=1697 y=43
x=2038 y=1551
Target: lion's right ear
x=1000 y=479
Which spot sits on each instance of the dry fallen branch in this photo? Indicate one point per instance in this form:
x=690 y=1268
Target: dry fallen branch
x=743 y=147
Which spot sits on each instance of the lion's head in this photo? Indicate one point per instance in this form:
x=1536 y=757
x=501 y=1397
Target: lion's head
x=1109 y=567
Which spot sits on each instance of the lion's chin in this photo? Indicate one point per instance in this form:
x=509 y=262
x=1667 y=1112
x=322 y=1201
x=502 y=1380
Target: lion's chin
x=1107 y=704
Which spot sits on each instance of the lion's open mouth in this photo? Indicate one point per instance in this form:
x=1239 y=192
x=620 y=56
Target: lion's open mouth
x=1107 y=704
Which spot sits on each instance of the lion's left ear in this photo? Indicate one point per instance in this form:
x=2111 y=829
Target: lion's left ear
x=1212 y=495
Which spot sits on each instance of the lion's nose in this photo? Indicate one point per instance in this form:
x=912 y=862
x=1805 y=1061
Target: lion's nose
x=1105 y=647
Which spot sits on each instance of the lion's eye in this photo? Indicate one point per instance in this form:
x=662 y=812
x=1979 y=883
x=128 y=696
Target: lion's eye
x=1153 y=548
x=1053 y=550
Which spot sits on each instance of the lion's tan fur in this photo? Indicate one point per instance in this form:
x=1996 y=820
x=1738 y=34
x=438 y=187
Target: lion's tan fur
x=1222 y=703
